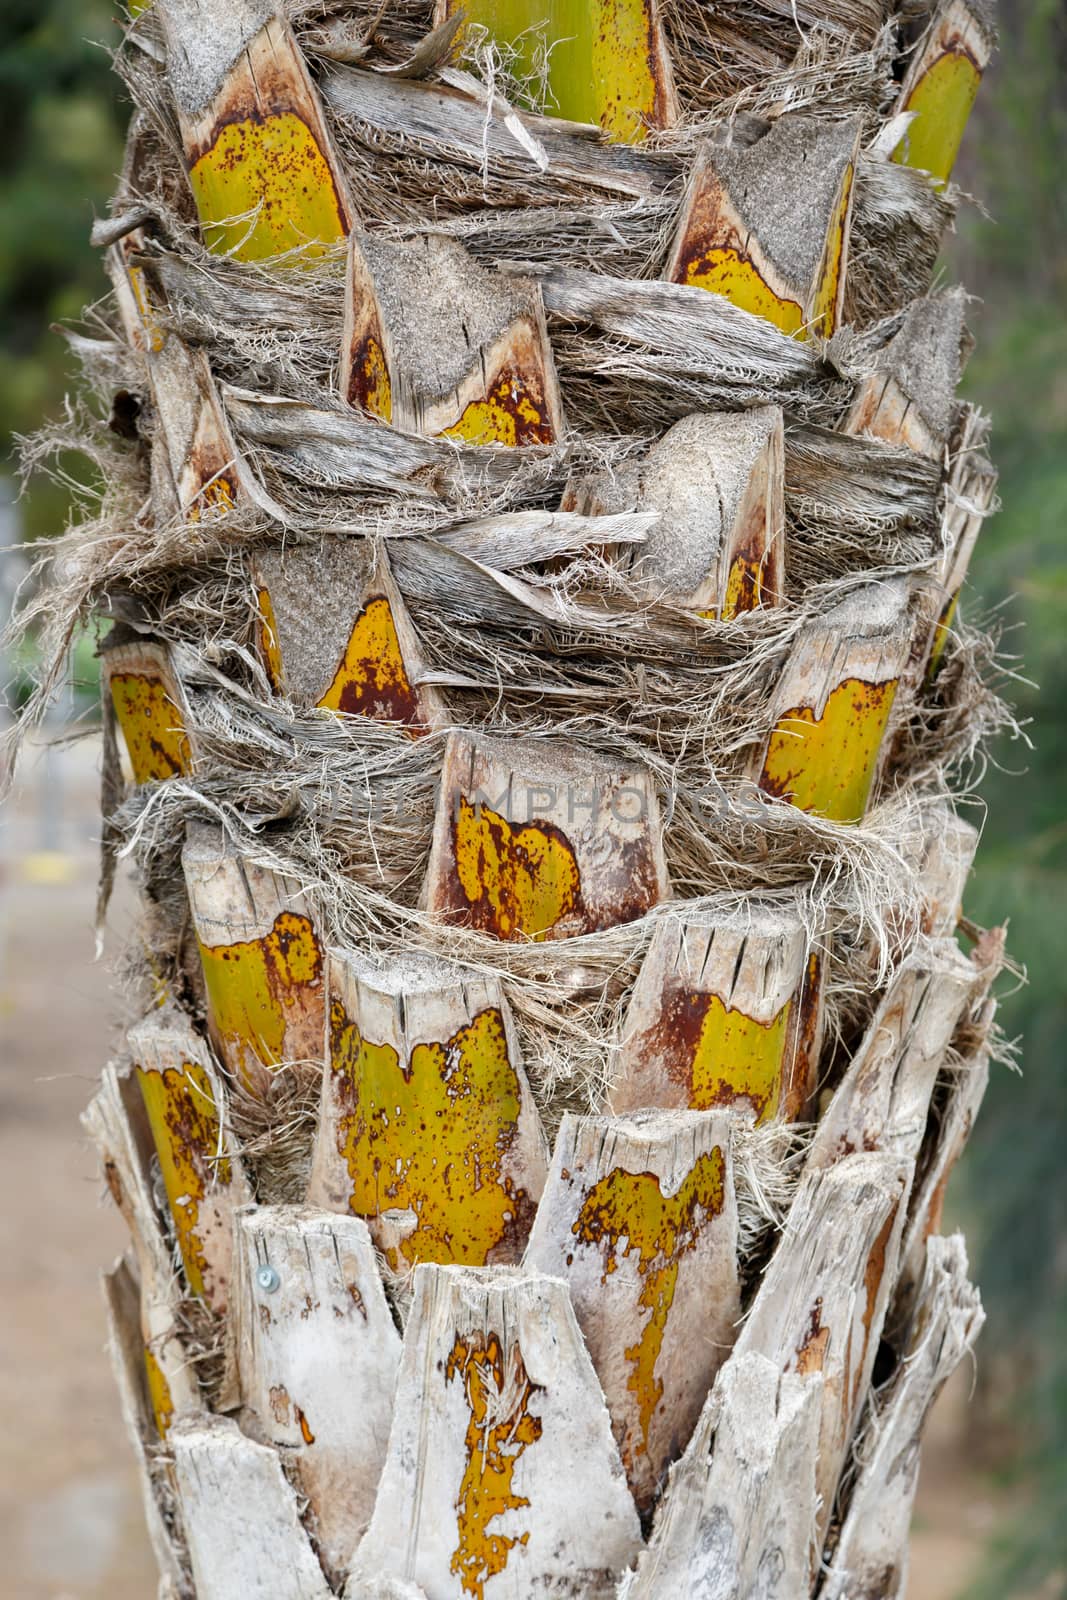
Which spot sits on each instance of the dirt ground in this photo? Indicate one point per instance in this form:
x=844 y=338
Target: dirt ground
x=70 y=1517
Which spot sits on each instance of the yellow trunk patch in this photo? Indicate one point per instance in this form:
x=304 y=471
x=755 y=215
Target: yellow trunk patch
x=369 y=385
x=185 y=1128
x=824 y=304
x=738 y=1058
x=253 y=987
x=267 y=636
x=500 y=1429
x=518 y=882
x=159 y=1395
x=725 y=271
x=603 y=62
x=827 y=766
x=371 y=680
x=631 y=1207
x=744 y=588
x=272 y=166
x=942 y=100
x=511 y=414
x=431 y=1136
x=151 y=725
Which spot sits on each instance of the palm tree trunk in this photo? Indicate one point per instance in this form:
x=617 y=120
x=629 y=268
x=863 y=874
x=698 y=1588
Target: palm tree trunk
x=537 y=657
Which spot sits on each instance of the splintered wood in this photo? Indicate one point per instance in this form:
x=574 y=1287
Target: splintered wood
x=116 y=1122
x=639 y=1220
x=333 y=631
x=257 y=152
x=438 y=345
x=823 y=1298
x=203 y=1177
x=726 y=1011
x=533 y=840
x=834 y=701
x=600 y=61
x=870 y=1560
x=715 y=481
x=261 y=956
x=195 y=465
x=738 y=1513
x=241 y=1517
x=941 y=84
x=427 y=1127
x=150 y=707
x=766 y=220
x=316 y=1354
x=502 y=1479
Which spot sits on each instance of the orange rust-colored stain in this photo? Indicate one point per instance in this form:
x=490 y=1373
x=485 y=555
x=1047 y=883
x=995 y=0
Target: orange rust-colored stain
x=811 y=1352
x=372 y=680
x=518 y=882
x=827 y=765
x=660 y=1229
x=159 y=1395
x=257 y=988
x=728 y=271
x=185 y=1129
x=265 y=187
x=369 y=385
x=152 y=726
x=512 y=413
x=305 y=1431
x=804 y=1041
x=825 y=301
x=873 y=1274
x=500 y=1430
x=433 y=1136
x=267 y=640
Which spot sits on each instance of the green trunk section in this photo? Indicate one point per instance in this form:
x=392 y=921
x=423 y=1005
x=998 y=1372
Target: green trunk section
x=600 y=61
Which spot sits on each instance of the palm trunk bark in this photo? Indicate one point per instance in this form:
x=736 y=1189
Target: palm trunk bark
x=542 y=687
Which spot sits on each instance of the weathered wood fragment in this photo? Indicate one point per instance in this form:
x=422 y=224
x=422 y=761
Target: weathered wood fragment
x=257 y=151
x=427 y=1127
x=941 y=84
x=262 y=959
x=909 y=398
x=195 y=462
x=766 y=217
x=202 y=1174
x=502 y=1479
x=151 y=708
x=333 y=631
x=970 y=493
x=639 y=1219
x=948 y=849
x=883 y=1100
x=440 y=346
x=245 y=1537
x=716 y=481
x=726 y=1011
x=595 y=61
x=316 y=1354
x=833 y=703
x=823 y=1298
x=122 y=1302
x=738 y=1513
x=116 y=1122
x=870 y=1559
x=535 y=840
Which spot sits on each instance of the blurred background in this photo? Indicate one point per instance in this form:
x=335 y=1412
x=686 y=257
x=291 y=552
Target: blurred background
x=991 y=1521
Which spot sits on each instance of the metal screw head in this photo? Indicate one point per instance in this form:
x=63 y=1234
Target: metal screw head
x=267 y=1279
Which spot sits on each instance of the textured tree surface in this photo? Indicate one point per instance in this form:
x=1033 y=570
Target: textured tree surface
x=540 y=716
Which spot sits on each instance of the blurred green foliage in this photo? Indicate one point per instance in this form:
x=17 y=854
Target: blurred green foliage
x=64 y=121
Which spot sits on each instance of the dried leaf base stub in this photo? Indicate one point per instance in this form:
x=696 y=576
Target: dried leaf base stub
x=539 y=708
